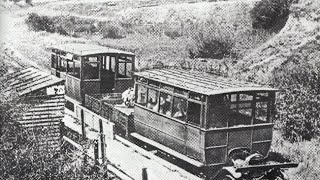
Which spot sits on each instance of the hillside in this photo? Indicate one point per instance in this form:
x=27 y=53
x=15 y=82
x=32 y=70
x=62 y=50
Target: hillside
x=298 y=41
x=164 y=32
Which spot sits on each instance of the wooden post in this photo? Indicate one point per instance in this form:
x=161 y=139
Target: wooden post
x=116 y=67
x=133 y=64
x=99 y=63
x=144 y=174
x=102 y=141
x=83 y=125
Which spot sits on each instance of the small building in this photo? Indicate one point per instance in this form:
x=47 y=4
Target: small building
x=43 y=93
x=199 y=117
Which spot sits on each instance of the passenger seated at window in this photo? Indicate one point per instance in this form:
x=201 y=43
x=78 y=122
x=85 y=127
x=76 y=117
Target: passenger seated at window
x=165 y=104
x=179 y=109
x=151 y=103
x=152 y=99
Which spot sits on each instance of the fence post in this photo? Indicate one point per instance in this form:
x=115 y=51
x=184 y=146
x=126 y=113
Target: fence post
x=144 y=174
x=83 y=125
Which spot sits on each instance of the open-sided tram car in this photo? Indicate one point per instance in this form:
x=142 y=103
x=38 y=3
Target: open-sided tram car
x=208 y=121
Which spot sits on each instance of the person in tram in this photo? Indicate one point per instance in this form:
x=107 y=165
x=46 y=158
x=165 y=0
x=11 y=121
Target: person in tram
x=165 y=105
x=180 y=114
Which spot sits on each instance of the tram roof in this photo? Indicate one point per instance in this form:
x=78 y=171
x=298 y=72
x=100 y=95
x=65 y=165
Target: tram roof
x=200 y=82
x=88 y=49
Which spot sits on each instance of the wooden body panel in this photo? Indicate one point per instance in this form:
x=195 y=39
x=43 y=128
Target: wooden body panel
x=90 y=87
x=73 y=87
x=174 y=134
x=219 y=142
x=123 y=123
x=120 y=85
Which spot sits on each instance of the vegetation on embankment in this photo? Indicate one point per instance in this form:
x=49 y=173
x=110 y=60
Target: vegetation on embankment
x=171 y=34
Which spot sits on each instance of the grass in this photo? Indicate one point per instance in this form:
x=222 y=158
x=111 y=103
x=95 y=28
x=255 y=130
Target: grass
x=306 y=153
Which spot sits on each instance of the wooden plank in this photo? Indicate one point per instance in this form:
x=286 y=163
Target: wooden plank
x=50 y=124
x=45 y=121
x=41 y=85
x=28 y=80
x=51 y=105
x=39 y=113
x=39 y=117
x=267 y=167
x=168 y=150
x=45 y=109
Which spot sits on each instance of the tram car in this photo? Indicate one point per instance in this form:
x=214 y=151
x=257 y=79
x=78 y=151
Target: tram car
x=222 y=127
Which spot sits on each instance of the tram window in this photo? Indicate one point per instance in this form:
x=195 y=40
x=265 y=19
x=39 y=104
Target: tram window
x=233 y=97
x=154 y=83
x=129 y=70
x=262 y=96
x=181 y=91
x=196 y=96
x=141 y=95
x=246 y=112
x=112 y=63
x=167 y=87
x=194 y=112
x=165 y=104
x=53 y=61
x=122 y=70
x=91 y=67
x=244 y=105
x=261 y=112
x=107 y=62
x=76 y=70
x=245 y=97
x=153 y=99
x=179 y=109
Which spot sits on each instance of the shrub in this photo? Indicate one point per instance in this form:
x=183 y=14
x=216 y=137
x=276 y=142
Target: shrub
x=61 y=30
x=111 y=30
x=173 y=32
x=40 y=23
x=211 y=44
x=28 y=2
x=268 y=13
x=298 y=106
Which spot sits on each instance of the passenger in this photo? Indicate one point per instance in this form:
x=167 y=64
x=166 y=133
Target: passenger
x=180 y=114
x=165 y=105
x=151 y=103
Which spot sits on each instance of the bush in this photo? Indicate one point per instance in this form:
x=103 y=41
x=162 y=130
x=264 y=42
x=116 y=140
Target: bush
x=298 y=106
x=173 y=32
x=111 y=30
x=268 y=13
x=40 y=23
x=211 y=44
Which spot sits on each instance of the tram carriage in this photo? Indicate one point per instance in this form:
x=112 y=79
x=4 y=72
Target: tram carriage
x=205 y=120
x=92 y=69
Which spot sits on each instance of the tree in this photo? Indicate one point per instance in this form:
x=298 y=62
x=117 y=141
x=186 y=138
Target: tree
x=268 y=13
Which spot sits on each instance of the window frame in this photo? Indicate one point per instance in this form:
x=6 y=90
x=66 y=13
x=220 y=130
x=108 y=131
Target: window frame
x=269 y=100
